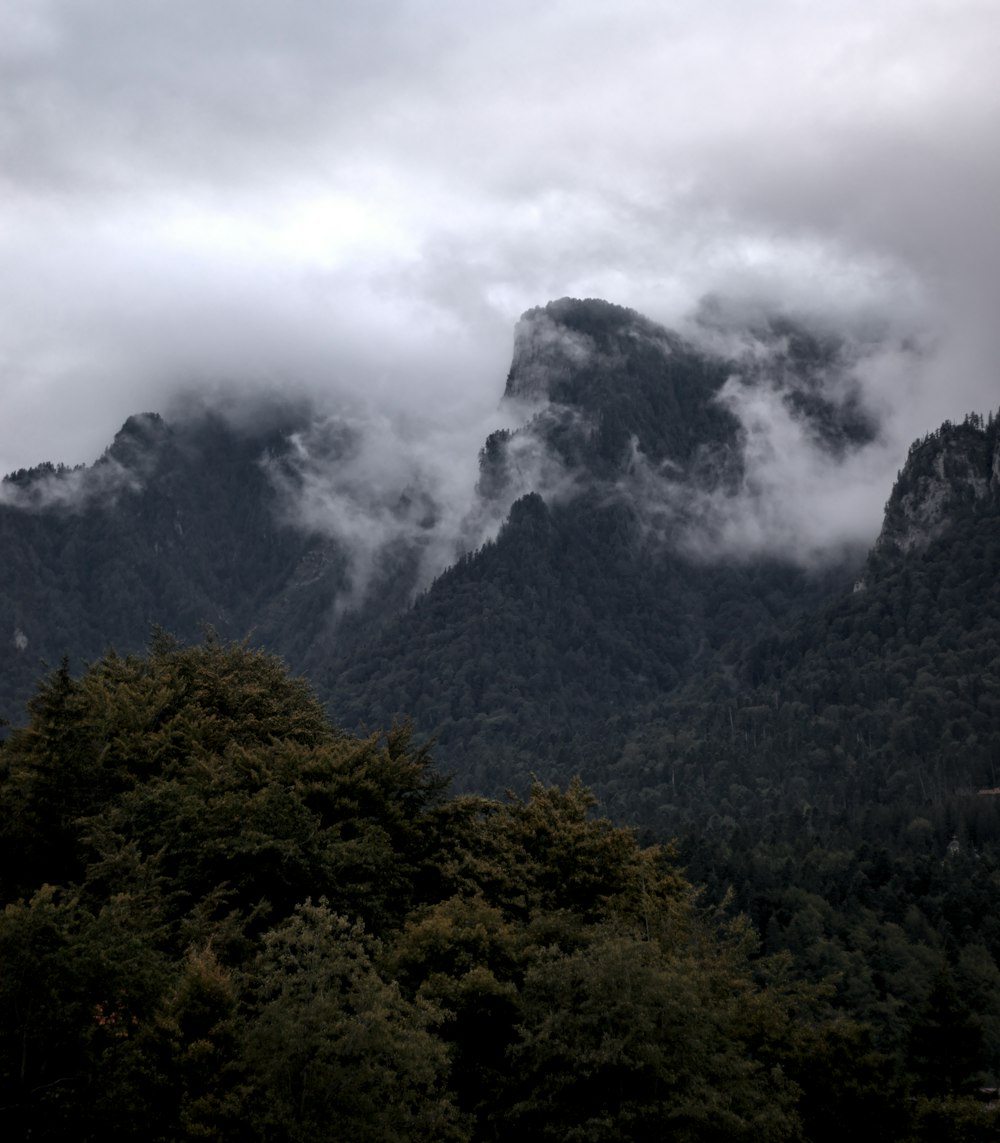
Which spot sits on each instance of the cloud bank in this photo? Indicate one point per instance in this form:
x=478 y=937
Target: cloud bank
x=355 y=202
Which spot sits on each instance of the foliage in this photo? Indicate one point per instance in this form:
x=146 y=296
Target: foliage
x=255 y=926
x=334 y=1049
x=225 y=917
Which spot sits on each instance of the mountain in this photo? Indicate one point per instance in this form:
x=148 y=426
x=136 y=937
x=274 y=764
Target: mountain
x=837 y=780
x=544 y=646
x=278 y=522
x=616 y=595
x=173 y=525
x=742 y=698
x=603 y=630
x=883 y=700
x=184 y=525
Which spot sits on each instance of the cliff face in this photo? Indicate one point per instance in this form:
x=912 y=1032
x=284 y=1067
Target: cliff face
x=949 y=473
x=569 y=350
x=606 y=380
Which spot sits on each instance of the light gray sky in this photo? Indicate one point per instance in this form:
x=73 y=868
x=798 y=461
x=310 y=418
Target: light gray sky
x=360 y=196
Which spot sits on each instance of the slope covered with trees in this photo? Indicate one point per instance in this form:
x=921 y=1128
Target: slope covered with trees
x=546 y=645
x=229 y=919
x=884 y=696
x=821 y=745
x=173 y=525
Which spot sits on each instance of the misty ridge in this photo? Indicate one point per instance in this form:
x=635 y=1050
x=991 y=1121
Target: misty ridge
x=752 y=434
x=802 y=459
x=55 y=487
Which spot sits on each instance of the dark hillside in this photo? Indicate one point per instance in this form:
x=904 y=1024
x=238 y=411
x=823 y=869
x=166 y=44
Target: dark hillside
x=523 y=656
x=172 y=526
x=538 y=653
x=885 y=699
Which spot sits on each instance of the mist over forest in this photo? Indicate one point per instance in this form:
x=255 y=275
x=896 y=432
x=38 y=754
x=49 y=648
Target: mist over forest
x=644 y=583
x=499 y=625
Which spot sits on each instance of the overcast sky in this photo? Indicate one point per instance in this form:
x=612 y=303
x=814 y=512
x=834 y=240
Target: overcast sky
x=360 y=196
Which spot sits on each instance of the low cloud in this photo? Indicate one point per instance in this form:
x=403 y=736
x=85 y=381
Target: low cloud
x=57 y=487
x=354 y=202
x=801 y=481
x=394 y=494
x=795 y=498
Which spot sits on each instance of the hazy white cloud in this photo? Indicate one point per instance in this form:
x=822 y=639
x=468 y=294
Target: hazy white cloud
x=814 y=456
x=68 y=489
x=795 y=498
x=388 y=489
x=357 y=200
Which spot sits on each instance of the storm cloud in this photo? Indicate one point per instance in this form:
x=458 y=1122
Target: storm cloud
x=355 y=201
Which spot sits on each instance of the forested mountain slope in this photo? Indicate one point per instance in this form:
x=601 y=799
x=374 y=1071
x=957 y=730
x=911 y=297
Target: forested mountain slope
x=885 y=698
x=593 y=602
x=173 y=526
x=554 y=636
x=820 y=734
x=586 y=606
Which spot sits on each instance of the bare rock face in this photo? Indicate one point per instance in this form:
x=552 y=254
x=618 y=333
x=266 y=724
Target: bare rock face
x=946 y=474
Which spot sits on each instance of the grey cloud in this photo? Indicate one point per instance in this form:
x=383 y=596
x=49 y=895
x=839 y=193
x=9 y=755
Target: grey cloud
x=106 y=98
x=67 y=489
x=386 y=490
x=803 y=482
x=360 y=198
x=795 y=498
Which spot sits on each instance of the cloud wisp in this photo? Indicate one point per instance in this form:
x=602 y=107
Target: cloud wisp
x=812 y=460
x=391 y=494
x=795 y=499
x=60 y=488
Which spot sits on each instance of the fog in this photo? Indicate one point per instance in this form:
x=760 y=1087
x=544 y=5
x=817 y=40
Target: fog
x=355 y=202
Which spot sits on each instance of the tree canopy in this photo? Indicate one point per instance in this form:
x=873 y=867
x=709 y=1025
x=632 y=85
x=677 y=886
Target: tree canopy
x=226 y=918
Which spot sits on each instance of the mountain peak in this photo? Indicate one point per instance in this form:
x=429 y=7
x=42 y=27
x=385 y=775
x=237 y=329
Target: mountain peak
x=555 y=342
x=611 y=380
x=141 y=435
x=947 y=472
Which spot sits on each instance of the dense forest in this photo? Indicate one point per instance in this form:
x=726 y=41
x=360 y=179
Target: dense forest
x=231 y=899
x=226 y=918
